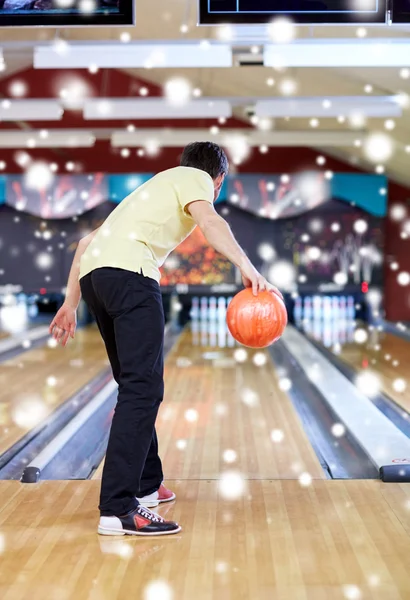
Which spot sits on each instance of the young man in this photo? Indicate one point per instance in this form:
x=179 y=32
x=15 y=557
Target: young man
x=116 y=269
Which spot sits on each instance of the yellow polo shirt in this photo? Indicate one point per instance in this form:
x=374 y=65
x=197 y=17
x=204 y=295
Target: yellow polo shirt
x=147 y=225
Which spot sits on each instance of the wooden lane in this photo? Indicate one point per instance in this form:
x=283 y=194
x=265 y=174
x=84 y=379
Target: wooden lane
x=214 y=404
x=386 y=355
x=279 y=541
x=28 y=396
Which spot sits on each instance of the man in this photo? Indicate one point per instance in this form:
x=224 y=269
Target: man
x=116 y=269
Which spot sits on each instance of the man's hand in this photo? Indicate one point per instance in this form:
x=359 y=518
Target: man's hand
x=64 y=324
x=252 y=278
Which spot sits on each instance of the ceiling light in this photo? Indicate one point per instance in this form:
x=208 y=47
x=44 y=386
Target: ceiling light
x=322 y=52
x=155 y=108
x=55 y=138
x=357 y=107
x=30 y=110
x=179 y=137
x=137 y=55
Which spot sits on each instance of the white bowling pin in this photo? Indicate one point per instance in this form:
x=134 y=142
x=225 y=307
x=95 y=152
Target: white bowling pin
x=221 y=309
x=212 y=309
x=351 y=310
x=204 y=308
x=317 y=307
x=327 y=308
x=298 y=310
x=222 y=333
x=335 y=307
x=307 y=313
x=195 y=308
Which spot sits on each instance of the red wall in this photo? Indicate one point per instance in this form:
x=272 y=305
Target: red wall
x=397 y=297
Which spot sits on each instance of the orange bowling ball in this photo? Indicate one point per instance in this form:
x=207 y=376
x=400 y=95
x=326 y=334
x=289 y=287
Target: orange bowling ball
x=256 y=321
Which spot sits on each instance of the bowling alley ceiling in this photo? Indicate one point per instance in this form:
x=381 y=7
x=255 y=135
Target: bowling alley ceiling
x=176 y=21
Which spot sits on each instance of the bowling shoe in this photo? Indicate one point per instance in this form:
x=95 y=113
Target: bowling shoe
x=158 y=497
x=140 y=521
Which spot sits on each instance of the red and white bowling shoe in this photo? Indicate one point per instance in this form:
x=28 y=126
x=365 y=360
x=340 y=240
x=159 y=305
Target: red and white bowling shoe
x=158 y=497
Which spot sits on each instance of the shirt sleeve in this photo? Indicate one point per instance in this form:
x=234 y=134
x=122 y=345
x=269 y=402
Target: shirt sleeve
x=195 y=185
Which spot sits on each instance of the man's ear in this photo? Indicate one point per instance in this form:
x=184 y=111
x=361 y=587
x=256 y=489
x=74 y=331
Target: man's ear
x=220 y=179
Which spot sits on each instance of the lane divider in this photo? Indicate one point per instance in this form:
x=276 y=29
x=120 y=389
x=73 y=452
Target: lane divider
x=383 y=442
x=33 y=471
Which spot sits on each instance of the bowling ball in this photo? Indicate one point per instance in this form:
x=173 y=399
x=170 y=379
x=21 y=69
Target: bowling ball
x=256 y=321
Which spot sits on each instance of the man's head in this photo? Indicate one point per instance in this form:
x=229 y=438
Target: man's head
x=208 y=157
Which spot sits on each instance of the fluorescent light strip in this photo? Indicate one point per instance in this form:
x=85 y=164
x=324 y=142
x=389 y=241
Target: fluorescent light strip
x=30 y=110
x=177 y=138
x=331 y=106
x=57 y=138
x=339 y=53
x=134 y=55
x=154 y=108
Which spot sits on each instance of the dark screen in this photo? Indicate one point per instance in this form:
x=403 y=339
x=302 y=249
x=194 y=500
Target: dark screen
x=401 y=11
x=301 y=11
x=66 y=12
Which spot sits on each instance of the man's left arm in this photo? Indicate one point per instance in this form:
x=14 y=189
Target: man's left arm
x=64 y=323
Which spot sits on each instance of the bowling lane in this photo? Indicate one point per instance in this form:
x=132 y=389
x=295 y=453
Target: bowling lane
x=367 y=347
x=222 y=411
x=34 y=384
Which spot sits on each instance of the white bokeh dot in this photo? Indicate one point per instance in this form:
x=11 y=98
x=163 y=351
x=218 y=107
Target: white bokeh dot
x=231 y=485
x=191 y=415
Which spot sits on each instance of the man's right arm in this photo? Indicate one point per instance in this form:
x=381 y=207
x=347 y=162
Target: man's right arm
x=219 y=235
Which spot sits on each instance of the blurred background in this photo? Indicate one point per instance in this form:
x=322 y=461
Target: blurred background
x=312 y=107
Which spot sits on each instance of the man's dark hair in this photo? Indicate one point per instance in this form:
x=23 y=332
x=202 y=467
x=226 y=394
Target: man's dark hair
x=206 y=156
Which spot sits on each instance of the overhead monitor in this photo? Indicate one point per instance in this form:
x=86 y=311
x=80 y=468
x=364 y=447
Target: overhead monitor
x=250 y=12
x=66 y=13
x=401 y=11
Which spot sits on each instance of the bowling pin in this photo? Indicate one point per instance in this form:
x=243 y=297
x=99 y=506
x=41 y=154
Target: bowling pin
x=307 y=313
x=195 y=308
x=317 y=307
x=222 y=333
x=212 y=309
x=351 y=310
x=221 y=309
x=204 y=308
x=298 y=310
x=327 y=308
x=335 y=307
x=343 y=308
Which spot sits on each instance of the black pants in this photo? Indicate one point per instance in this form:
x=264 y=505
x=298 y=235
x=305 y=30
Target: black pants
x=129 y=313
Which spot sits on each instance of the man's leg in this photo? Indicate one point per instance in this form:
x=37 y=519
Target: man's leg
x=152 y=473
x=104 y=322
x=135 y=305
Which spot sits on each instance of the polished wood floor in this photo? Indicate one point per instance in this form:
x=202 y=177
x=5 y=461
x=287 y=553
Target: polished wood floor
x=280 y=538
x=387 y=356
x=332 y=540
x=233 y=406
x=34 y=384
